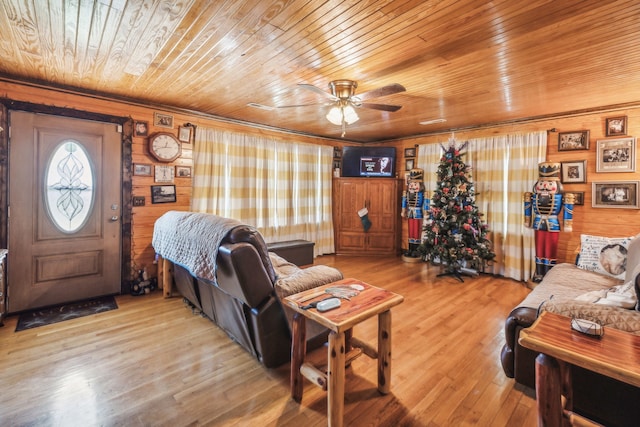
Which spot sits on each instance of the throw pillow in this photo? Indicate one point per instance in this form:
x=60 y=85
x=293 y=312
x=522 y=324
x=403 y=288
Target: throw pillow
x=604 y=255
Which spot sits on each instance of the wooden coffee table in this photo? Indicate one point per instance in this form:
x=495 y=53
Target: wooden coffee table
x=616 y=355
x=343 y=347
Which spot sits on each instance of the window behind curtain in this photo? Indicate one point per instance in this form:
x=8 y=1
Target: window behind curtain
x=281 y=188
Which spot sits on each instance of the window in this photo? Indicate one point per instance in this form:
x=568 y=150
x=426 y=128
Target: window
x=69 y=186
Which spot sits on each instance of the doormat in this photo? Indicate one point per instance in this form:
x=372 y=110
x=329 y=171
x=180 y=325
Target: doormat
x=60 y=313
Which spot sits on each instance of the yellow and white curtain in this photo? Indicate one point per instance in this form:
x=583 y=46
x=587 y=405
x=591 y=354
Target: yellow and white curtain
x=503 y=168
x=281 y=188
x=429 y=156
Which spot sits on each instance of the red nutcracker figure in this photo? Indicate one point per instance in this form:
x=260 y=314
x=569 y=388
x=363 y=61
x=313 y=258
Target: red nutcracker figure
x=546 y=202
x=414 y=205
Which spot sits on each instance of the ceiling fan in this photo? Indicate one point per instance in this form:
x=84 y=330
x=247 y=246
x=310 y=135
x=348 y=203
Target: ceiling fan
x=343 y=99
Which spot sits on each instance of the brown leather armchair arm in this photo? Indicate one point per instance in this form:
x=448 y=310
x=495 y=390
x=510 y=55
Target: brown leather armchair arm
x=516 y=359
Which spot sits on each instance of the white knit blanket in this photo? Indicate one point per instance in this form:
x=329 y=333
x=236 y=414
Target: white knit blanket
x=566 y=282
x=191 y=239
x=574 y=292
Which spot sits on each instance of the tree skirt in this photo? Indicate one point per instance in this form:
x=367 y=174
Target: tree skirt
x=60 y=313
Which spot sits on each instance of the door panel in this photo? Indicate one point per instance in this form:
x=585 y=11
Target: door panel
x=352 y=198
x=49 y=264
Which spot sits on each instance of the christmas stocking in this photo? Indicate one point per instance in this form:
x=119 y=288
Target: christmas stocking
x=364 y=217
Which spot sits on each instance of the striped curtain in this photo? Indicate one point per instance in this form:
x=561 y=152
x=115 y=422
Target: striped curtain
x=281 y=188
x=488 y=160
x=525 y=152
x=503 y=168
x=428 y=160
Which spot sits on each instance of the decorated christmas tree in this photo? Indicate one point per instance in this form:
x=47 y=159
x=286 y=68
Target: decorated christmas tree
x=454 y=234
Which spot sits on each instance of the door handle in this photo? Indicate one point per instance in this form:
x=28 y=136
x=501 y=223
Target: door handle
x=114 y=218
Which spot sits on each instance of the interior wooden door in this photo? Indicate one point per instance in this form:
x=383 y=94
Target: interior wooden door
x=64 y=210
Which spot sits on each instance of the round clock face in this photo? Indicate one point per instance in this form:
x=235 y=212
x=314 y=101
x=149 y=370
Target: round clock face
x=164 y=147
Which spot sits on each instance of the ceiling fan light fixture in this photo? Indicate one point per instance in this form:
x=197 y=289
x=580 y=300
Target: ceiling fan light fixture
x=338 y=115
x=343 y=89
x=350 y=115
x=335 y=116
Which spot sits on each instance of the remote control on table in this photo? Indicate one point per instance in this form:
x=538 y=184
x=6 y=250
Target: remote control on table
x=328 y=304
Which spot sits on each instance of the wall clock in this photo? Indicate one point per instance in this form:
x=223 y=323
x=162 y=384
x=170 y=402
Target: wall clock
x=164 y=147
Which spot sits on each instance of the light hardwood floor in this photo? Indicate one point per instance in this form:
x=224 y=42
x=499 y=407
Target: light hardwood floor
x=152 y=363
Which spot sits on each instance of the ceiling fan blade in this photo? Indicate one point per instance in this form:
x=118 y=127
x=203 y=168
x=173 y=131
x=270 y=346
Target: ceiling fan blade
x=381 y=91
x=300 y=105
x=261 y=106
x=271 y=107
x=318 y=91
x=383 y=107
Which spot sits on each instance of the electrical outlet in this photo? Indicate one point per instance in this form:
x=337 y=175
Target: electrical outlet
x=138 y=200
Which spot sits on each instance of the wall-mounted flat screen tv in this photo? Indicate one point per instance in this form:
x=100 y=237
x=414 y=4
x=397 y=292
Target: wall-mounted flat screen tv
x=369 y=161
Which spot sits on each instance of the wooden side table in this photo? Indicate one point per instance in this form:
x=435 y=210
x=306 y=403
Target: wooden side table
x=616 y=354
x=343 y=347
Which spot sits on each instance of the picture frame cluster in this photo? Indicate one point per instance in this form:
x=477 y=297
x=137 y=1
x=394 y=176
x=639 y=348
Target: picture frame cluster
x=162 y=173
x=337 y=161
x=409 y=158
x=163 y=176
x=616 y=153
x=186 y=132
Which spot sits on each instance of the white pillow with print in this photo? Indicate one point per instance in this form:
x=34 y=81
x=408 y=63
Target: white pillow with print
x=604 y=255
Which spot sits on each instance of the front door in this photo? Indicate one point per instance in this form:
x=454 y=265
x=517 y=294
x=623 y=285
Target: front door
x=64 y=210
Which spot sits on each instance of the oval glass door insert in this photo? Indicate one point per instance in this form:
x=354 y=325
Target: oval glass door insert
x=69 y=186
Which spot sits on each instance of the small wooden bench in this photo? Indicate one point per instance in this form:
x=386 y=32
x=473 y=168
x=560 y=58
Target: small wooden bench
x=298 y=252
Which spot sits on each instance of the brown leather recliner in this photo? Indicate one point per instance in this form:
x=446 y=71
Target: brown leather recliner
x=243 y=301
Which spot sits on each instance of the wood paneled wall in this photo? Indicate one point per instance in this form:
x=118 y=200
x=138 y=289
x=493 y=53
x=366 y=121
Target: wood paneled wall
x=598 y=221
x=611 y=222
x=143 y=217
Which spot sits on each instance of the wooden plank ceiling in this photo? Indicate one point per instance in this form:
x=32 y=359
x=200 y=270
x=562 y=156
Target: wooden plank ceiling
x=469 y=62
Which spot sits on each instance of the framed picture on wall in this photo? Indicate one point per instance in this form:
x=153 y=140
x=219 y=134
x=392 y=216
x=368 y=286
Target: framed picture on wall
x=574 y=140
x=579 y=198
x=574 y=171
x=142 y=169
x=408 y=164
x=616 y=126
x=183 y=171
x=163 y=194
x=616 y=155
x=410 y=152
x=615 y=194
x=164 y=173
x=163 y=120
x=141 y=128
x=185 y=134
